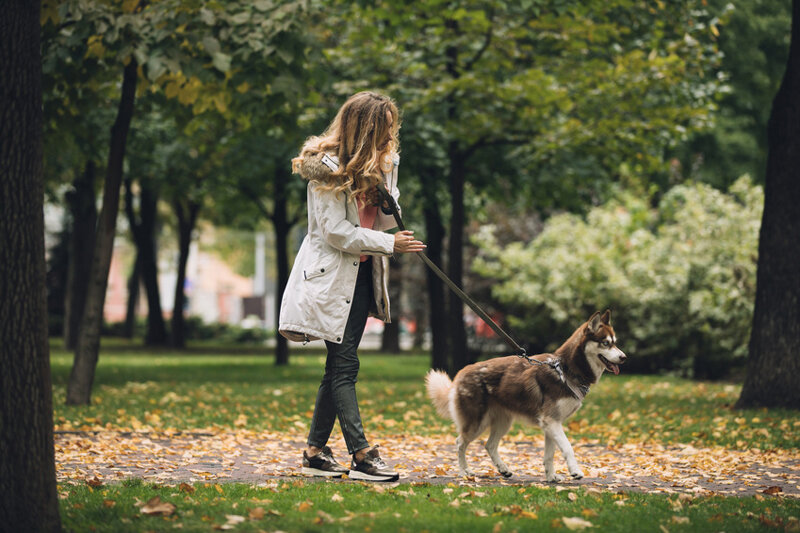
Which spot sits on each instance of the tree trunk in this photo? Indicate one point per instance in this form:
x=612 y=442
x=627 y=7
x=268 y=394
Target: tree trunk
x=455 y=261
x=187 y=217
x=282 y=226
x=773 y=373
x=390 y=340
x=133 y=297
x=143 y=229
x=437 y=316
x=83 y=210
x=28 y=498
x=156 y=327
x=79 y=388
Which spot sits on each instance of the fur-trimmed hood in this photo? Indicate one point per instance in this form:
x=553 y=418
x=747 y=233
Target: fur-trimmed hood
x=318 y=166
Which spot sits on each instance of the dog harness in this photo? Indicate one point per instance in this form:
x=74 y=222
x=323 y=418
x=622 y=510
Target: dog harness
x=579 y=391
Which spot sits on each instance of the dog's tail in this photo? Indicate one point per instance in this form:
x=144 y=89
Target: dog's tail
x=438 y=384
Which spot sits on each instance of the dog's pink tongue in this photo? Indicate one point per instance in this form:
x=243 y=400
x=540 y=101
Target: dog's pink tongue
x=615 y=369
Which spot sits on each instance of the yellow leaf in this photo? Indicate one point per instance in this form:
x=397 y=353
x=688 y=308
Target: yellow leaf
x=304 y=506
x=575 y=523
x=243 y=88
x=128 y=6
x=172 y=89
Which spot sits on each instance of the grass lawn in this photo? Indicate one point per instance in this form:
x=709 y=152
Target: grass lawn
x=219 y=389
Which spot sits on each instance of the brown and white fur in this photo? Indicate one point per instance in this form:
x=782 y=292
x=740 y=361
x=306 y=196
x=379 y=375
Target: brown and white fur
x=492 y=394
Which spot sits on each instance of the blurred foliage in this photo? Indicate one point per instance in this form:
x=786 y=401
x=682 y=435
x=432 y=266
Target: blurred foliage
x=679 y=278
x=754 y=43
x=197 y=330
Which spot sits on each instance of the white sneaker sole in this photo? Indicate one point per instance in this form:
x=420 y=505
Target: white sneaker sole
x=320 y=473
x=356 y=474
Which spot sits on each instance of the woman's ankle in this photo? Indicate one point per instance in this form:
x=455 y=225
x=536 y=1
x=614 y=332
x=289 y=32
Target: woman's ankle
x=311 y=451
x=360 y=455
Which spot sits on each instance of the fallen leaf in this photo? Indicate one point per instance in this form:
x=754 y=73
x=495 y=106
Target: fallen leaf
x=572 y=496
x=155 y=506
x=680 y=519
x=256 y=514
x=576 y=524
x=94 y=482
x=337 y=497
x=109 y=503
x=304 y=506
x=185 y=487
x=773 y=490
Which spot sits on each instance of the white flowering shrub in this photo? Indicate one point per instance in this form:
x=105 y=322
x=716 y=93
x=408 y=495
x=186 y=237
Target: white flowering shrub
x=680 y=279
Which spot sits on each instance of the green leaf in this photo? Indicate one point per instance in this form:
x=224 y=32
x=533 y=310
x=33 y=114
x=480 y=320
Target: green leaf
x=222 y=62
x=211 y=45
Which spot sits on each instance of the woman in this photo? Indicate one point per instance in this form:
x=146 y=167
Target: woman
x=340 y=274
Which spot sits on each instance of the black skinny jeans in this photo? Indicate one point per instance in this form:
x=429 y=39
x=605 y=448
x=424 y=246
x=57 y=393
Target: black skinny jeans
x=336 y=396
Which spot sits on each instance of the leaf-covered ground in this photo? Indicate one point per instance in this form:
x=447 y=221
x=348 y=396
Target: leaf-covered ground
x=256 y=457
x=168 y=417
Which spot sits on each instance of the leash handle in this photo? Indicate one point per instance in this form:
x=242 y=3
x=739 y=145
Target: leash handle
x=453 y=287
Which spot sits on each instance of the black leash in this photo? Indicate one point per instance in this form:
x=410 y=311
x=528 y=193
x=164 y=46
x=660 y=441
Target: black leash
x=453 y=287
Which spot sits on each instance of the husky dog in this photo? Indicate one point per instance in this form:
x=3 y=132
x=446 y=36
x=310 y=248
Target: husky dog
x=544 y=389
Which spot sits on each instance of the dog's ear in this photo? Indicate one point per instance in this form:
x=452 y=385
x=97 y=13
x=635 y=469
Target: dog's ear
x=606 y=318
x=594 y=322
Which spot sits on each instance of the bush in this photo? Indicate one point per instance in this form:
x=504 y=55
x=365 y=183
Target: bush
x=680 y=279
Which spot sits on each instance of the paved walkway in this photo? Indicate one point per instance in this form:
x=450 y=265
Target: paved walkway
x=263 y=458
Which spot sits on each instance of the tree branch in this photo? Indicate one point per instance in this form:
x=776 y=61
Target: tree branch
x=486 y=42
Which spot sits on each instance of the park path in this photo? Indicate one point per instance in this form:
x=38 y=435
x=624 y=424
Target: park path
x=262 y=458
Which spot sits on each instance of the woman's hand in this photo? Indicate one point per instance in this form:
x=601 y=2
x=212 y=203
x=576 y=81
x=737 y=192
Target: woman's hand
x=405 y=243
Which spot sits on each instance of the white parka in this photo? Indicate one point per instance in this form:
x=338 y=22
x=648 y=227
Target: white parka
x=319 y=293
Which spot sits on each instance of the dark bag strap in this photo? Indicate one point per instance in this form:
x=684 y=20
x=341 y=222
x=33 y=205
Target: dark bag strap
x=453 y=287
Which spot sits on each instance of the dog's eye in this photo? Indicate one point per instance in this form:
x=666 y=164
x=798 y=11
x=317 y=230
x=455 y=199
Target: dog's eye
x=605 y=343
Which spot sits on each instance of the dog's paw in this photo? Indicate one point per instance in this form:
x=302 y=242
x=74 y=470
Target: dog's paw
x=577 y=475
x=467 y=473
x=555 y=478
x=506 y=473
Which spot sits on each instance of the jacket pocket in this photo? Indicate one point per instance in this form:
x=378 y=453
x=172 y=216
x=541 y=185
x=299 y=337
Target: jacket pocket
x=320 y=268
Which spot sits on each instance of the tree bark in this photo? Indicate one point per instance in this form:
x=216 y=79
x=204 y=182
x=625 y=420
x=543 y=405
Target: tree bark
x=390 y=340
x=143 y=229
x=437 y=317
x=83 y=211
x=79 y=388
x=133 y=297
x=186 y=212
x=28 y=498
x=455 y=261
x=282 y=226
x=773 y=372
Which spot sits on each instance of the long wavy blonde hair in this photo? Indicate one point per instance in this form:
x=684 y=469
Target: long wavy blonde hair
x=363 y=135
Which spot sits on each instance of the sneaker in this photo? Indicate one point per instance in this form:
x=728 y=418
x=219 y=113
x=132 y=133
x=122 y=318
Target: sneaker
x=372 y=468
x=323 y=464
